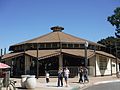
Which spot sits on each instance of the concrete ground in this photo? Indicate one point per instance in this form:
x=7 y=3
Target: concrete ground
x=73 y=83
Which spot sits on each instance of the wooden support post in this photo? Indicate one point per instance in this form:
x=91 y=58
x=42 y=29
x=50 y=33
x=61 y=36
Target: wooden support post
x=60 y=61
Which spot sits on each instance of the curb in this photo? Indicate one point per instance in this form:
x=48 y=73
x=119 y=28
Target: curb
x=102 y=82
x=76 y=88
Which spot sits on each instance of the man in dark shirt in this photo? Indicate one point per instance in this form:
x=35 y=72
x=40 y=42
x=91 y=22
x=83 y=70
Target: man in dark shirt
x=60 y=77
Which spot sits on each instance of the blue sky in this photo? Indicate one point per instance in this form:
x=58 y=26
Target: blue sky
x=21 y=20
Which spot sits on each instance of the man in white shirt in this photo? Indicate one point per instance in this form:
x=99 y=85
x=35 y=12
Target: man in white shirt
x=66 y=75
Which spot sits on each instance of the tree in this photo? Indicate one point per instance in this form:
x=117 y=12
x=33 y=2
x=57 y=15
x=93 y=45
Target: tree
x=112 y=45
x=115 y=21
x=109 y=42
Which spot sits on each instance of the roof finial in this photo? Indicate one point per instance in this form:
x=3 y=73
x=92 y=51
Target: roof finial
x=57 y=28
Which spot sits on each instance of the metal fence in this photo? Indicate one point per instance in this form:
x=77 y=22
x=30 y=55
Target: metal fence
x=74 y=71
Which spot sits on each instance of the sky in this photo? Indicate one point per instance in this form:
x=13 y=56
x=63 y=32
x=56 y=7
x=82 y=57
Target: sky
x=22 y=20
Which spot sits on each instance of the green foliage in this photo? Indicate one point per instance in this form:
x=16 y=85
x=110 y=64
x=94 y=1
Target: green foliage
x=112 y=45
x=108 y=41
x=115 y=21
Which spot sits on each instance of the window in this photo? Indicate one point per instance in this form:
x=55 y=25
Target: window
x=102 y=63
x=54 y=45
x=64 y=45
x=22 y=47
x=48 y=45
x=82 y=46
x=113 y=65
x=76 y=45
x=32 y=46
x=92 y=47
x=42 y=45
x=16 y=48
x=70 y=45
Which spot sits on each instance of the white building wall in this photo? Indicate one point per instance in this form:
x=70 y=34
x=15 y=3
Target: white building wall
x=118 y=67
x=110 y=66
x=113 y=66
x=97 y=66
x=108 y=70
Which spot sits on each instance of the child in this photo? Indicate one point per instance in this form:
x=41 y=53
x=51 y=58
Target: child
x=47 y=77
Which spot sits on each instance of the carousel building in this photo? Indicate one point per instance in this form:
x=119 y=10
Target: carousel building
x=58 y=50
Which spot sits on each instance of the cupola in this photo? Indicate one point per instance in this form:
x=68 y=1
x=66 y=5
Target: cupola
x=57 y=29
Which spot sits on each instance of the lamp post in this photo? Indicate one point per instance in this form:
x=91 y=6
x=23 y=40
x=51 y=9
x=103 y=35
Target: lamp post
x=37 y=62
x=86 y=61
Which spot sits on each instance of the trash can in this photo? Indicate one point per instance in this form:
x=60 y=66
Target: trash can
x=31 y=82
x=28 y=81
x=23 y=80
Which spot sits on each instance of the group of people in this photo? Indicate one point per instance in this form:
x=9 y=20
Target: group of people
x=64 y=73
x=83 y=74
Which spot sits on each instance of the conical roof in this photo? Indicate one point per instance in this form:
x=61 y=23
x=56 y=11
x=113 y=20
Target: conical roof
x=57 y=36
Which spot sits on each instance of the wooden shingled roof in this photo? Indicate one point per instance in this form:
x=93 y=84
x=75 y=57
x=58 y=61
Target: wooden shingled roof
x=57 y=36
x=49 y=53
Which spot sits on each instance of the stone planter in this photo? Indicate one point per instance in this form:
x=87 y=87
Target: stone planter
x=23 y=80
x=30 y=82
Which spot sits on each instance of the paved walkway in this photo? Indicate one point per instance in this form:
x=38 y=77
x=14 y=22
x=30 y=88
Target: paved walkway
x=73 y=83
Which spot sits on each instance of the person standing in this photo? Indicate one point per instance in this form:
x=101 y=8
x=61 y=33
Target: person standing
x=81 y=75
x=66 y=75
x=47 y=77
x=60 y=77
x=85 y=71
